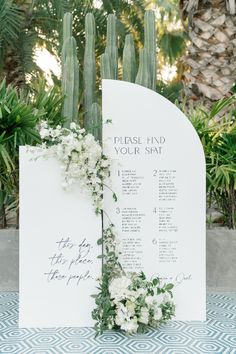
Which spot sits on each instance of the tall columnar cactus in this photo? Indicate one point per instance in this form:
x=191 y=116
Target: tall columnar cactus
x=67 y=26
x=105 y=67
x=70 y=81
x=129 y=60
x=95 y=126
x=143 y=76
x=89 y=68
x=150 y=44
x=111 y=47
x=67 y=33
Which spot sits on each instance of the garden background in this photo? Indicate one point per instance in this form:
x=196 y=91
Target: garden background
x=51 y=69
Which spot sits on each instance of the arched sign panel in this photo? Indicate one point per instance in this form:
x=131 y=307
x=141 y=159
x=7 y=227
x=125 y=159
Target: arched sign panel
x=158 y=174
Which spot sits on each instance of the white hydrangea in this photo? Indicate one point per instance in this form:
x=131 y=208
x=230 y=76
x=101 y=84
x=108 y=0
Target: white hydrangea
x=154 y=300
x=118 y=288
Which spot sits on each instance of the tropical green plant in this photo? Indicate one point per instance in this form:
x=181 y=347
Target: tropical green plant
x=17 y=127
x=48 y=101
x=218 y=138
x=171 y=91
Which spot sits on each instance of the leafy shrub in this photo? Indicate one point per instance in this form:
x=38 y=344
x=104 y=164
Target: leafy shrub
x=218 y=137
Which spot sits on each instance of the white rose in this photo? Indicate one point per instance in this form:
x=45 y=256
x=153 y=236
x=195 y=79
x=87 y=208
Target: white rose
x=159 y=299
x=149 y=300
x=144 y=315
x=130 y=307
x=72 y=125
x=130 y=326
x=157 y=314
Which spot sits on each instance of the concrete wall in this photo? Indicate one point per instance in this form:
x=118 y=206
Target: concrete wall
x=9 y=260
x=220 y=262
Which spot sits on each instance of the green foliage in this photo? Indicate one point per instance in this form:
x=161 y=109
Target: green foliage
x=110 y=268
x=170 y=91
x=48 y=101
x=172 y=45
x=17 y=127
x=11 y=22
x=219 y=140
x=171 y=36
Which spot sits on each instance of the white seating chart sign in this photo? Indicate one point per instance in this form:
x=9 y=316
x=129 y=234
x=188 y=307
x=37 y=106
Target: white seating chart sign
x=158 y=174
x=58 y=248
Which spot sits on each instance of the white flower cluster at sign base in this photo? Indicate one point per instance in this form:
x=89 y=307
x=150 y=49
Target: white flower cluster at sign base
x=128 y=301
x=80 y=157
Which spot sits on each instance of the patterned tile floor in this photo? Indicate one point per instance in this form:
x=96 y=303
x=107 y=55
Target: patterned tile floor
x=216 y=336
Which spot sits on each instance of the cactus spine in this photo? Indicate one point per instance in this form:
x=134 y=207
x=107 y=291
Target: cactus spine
x=150 y=44
x=111 y=47
x=89 y=68
x=70 y=75
x=129 y=60
x=105 y=66
x=143 y=76
x=95 y=127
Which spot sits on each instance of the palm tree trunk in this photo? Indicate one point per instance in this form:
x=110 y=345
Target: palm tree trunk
x=211 y=57
x=12 y=69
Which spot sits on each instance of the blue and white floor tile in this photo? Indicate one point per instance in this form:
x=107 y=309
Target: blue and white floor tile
x=216 y=336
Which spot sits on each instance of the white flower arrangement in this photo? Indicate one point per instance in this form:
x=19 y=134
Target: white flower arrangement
x=80 y=156
x=125 y=301
x=128 y=301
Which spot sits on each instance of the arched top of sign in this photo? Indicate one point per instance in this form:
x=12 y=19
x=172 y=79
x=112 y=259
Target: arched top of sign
x=144 y=106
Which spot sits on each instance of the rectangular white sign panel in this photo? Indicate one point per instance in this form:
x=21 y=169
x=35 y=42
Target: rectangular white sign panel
x=158 y=174
x=58 y=248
